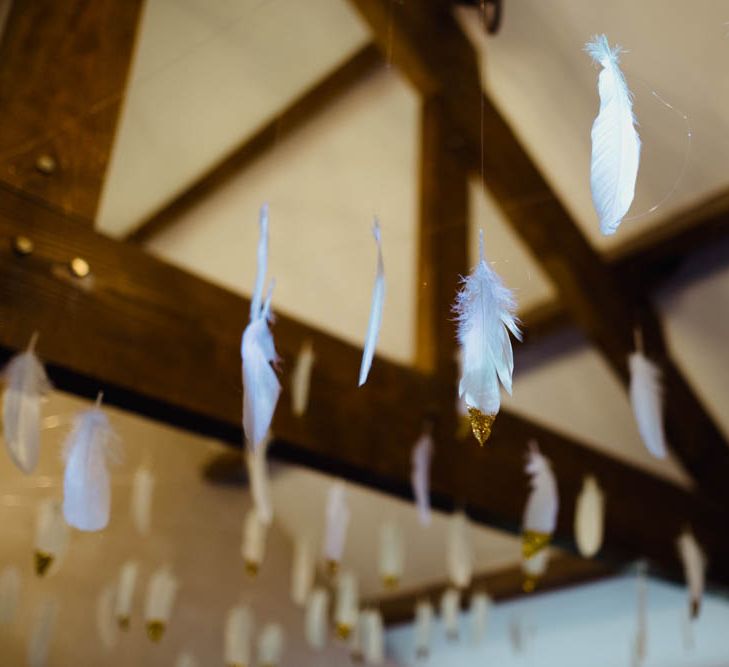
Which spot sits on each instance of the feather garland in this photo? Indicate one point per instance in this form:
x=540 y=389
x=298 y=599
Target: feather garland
x=51 y=538
x=161 y=593
x=142 y=494
x=301 y=379
x=271 y=645
x=86 y=483
x=316 y=618
x=261 y=387
x=337 y=521
x=238 y=637
x=42 y=632
x=10 y=585
x=479 y=612
x=420 y=477
x=646 y=397
x=26 y=384
x=105 y=622
x=392 y=554
x=257 y=467
x=486 y=313
x=253 y=548
x=450 y=605
x=378 y=300
x=540 y=516
x=694 y=565
x=615 y=141
x=423 y=629
x=373 y=641
x=346 y=610
x=186 y=659
x=127 y=582
x=459 y=555
x=303 y=571
x=589 y=517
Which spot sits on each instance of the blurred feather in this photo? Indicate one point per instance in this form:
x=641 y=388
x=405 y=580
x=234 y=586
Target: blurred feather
x=378 y=300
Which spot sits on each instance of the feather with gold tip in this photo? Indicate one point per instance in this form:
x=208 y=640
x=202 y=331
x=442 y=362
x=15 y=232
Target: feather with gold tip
x=303 y=571
x=301 y=379
x=271 y=645
x=161 y=593
x=392 y=554
x=317 y=618
x=141 y=503
x=44 y=623
x=694 y=566
x=646 y=397
x=589 y=517
x=106 y=624
x=257 y=466
x=540 y=516
x=238 y=637
x=423 y=629
x=26 y=384
x=126 y=584
x=51 y=537
x=450 y=606
x=615 y=141
x=459 y=555
x=378 y=301
x=486 y=313
x=186 y=659
x=337 y=521
x=420 y=476
x=346 y=609
x=261 y=387
x=253 y=547
x=10 y=585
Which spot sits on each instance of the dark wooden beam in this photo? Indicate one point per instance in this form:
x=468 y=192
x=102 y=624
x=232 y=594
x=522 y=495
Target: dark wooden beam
x=63 y=72
x=285 y=123
x=164 y=343
x=605 y=310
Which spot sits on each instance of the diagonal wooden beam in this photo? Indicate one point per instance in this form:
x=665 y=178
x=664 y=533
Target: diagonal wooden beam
x=286 y=122
x=63 y=72
x=606 y=311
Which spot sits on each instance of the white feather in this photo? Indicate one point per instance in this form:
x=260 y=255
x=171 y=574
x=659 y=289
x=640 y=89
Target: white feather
x=10 y=585
x=459 y=555
x=42 y=632
x=378 y=300
x=480 y=609
x=238 y=636
x=86 y=483
x=106 y=624
x=423 y=628
x=261 y=387
x=301 y=379
x=253 y=548
x=694 y=565
x=450 y=606
x=51 y=536
x=615 y=141
x=271 y=645
x=186 y=659
x=486 y=312
x=392 y=553
x=420 y=477
x=646 y=396
x=302 y=571
x=337 y=521
x=373 y=642
x=346 y=610
x=142 y=493
x=258 y=478
x=127 y=582
x=589 y=518
x=540 y=513
x=161 y=592
x=317 y=618
x=26 y=384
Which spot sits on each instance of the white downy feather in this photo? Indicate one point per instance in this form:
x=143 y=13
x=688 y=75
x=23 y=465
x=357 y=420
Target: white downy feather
x=106 y=624
x=126 y=584
x=186 y=659
x=337 y=521
x=257 y=466
x=42 y=632
x=253 y=547
x=303 y=571
x=420 y=476
x=10 y=585
x=271 y=645
x=239 y=637
x=486 y=311
x=26 y=384
x=301 y=379
x=317 y=618
x=589 y=518
x=646 y=396
x=378 y=300
x=694 y=565
x=615 y=141
x=392 y=554
x=423 y=629
x=450 y=606
x=346 y=611
x=479 y=612
x=51 y=537
x=86 y=483
x=161 y=593
x=373 y=641
x=459 y=555
x=142 y=494
x=261 y=387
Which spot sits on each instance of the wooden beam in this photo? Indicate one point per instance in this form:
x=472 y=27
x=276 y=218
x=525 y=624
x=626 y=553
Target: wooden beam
x=284 y=124
x=164 y=343
x=604 y=309
x=63 y=72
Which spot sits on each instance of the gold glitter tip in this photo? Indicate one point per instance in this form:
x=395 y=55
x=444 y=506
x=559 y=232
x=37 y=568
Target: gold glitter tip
x=123 y=622
x=343 y=630
x=481 y=424
x=155 y=630
x=43 y=561
x=529 y=584
x=390 y=582
x=331 y=567
x=532 y=542
x=251 y=568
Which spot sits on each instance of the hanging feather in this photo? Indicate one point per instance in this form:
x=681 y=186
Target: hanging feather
x=540 y=516
x=356 y=650
x=615 y=141
x=646 y=396
x=186 y=659
x=589 y=518
x=161 y=592
x=392 y=554
x=301 y=379
x=42 y=632
x=694 y=565
x=51 y=538
x=105 y=622
x=347 y=606
x=302 y=572
x=423 y=629
x=261 y=387
x=271 y=646
x=317 y=616
x=458 y=551
x=450 y=605
x=253 y=548
x=640 y=645
x=26 y=384
x=10 y=584
x=238 y=637
x=142 y=491
x=86 y=484
x=373 y=642
x=486 y=312
x=125 y=594
x=479 y=612
x=337 y=521
x=257 y=467
x=422 y=453
x=378 y=300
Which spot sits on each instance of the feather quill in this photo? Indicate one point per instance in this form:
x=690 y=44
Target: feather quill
x=10 y=584
x=261 y=387
x=694 y=565
x=450 y=605
x=106 y=624
x=301 y=379
x=317 y=613
x=26 y=384
x=392 y=554
x=125 y=594
x=238 y=637
x=423 y=629
x=378 y=300
x=51 y=537
x=142 y=493
x=258 y=477
x=420 y=476
x=271 y=645
x=337 y=521
x=486 y=313
x=302 y=571
x=646 y=397
x=458 y=551
x=615 y=141
x=161 y=592
x=42 y=632
x=589 y=518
